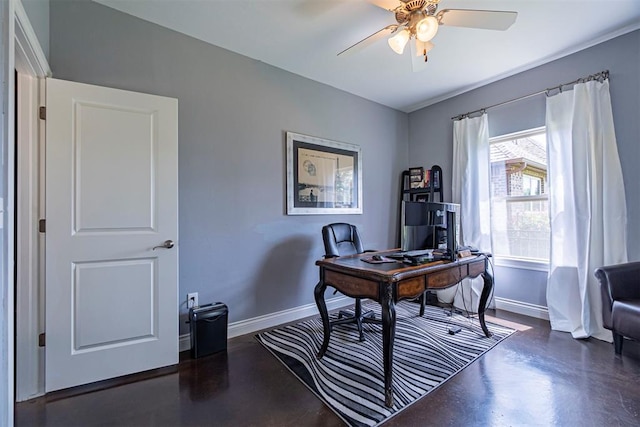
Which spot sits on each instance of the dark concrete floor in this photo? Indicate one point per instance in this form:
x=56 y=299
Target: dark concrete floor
x=534 y=377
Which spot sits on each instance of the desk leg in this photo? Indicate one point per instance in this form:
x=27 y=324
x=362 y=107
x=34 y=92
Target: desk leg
x=322 y=308
x=388 y=337
x=484 y=297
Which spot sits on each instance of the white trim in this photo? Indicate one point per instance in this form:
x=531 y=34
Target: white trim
x=29 y=316
x=255 y=324
x=515 y=262
x=7 y=129
x=524 y=308
x=30 y=58
x=523 y=264
x=184 y=342
x=259 y=323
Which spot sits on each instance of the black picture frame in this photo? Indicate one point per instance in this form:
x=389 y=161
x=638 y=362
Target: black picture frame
x=323 y=176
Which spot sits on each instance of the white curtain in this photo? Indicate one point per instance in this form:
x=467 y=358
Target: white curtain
x=470 y=188
x=587 y=206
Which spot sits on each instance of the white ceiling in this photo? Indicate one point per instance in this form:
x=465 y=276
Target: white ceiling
x=304 y=37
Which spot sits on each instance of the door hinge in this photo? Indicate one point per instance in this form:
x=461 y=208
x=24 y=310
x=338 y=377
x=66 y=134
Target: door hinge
x=42 y=113
x=41 y=339
x=42 y=226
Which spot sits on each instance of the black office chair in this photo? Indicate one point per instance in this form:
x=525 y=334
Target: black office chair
x=342 y=239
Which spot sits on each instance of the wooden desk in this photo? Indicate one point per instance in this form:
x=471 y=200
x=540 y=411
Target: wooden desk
x=389 y=283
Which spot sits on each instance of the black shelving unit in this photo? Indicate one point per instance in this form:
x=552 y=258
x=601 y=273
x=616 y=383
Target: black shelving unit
x=426 y=194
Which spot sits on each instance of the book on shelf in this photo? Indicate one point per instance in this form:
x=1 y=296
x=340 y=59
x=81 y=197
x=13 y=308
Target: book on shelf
x=420 y=177
x=436 y=180
x=416 y=177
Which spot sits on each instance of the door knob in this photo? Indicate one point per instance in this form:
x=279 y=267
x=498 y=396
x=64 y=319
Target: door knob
x=168 y=244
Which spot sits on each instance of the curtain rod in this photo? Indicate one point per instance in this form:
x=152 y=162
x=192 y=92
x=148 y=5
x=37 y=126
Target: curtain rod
x=601 y=76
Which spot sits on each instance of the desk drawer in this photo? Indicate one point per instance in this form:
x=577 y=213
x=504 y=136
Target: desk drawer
x=351 y=285
x=411 y=288
x=476 y=268
x=446 y=278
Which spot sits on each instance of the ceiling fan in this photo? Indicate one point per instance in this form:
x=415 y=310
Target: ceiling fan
x=419 y=20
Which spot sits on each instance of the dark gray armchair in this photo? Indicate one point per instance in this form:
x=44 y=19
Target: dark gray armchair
x=620 y=290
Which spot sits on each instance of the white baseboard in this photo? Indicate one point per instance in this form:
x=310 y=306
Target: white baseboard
x=248 y=326
x=274 y=319
x=524 y=308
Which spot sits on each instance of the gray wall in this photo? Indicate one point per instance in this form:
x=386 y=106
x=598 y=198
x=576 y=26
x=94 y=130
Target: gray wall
x=38 y=14
x=431 y=132
x=236 y=243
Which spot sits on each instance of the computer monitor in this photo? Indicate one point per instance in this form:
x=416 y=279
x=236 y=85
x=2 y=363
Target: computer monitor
x=430 y=225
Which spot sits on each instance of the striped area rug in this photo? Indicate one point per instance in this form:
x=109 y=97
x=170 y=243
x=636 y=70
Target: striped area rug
x=349 y=378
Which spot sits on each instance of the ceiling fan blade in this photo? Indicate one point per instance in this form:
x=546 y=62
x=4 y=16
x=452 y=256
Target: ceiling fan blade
x=418 y=62
x=485 y=19
x=385 y=4
x=367 y=41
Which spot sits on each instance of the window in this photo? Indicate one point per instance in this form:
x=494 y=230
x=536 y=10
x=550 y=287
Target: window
x=531 y=185
x=519 y=202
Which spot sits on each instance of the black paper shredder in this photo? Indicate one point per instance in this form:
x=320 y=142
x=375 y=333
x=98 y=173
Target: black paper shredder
x=208 y=324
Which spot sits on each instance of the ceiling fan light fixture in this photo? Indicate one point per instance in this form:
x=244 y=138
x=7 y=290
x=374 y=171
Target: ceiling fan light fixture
x=426 y=28
x=399 y=41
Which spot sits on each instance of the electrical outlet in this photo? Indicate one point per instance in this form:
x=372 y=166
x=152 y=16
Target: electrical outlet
x=192 y=300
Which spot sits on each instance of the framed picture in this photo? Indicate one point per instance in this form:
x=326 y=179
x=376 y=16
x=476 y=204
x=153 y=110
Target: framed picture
x=323 y=176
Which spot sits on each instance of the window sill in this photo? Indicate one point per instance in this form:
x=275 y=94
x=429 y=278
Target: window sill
x=524 y=264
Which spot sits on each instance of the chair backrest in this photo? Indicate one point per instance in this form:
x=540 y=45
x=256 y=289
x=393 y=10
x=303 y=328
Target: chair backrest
x=341 y=239
x=617 y=282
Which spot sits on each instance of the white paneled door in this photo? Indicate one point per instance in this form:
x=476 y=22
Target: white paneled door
x=111 y=198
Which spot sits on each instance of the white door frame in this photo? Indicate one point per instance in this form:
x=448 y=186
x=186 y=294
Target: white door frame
x=32 y=66
x=29 y=244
